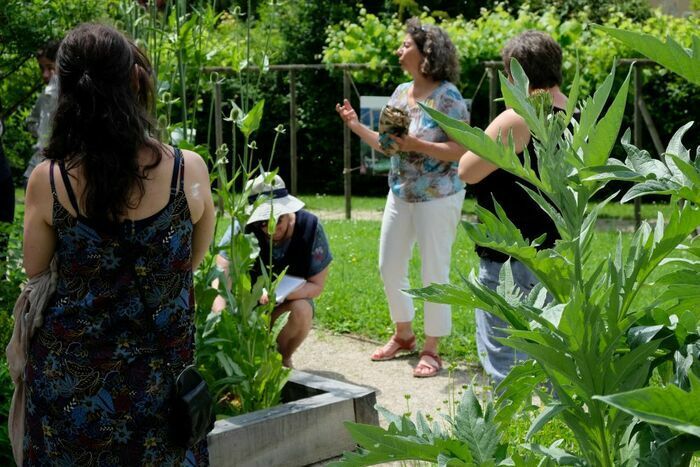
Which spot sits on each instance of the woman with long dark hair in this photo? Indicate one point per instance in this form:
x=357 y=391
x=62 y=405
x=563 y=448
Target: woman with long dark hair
x=128 y=219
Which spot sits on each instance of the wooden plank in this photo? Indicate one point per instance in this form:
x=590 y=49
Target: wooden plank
x=293 y=434
x=493 y=93
x=653 y=132
x=300 y=432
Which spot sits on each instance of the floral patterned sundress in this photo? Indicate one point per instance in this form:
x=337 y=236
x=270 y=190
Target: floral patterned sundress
x=118 y=329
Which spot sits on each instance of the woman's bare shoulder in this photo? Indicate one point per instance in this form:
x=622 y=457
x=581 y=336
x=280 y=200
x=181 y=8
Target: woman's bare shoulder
x=194 y=162
x=38 y=195
x=40 y=179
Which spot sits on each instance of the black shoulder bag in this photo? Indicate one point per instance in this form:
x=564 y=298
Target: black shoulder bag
x=192 y=412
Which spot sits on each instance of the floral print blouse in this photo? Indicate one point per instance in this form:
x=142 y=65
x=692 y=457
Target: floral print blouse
x=415 y=177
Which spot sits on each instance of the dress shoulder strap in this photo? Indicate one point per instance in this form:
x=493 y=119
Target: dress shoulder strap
x=69 y=188
x=176 y=182
x=53 y=181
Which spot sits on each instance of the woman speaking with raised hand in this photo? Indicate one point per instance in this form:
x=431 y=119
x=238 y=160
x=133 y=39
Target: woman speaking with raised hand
x=425 y=194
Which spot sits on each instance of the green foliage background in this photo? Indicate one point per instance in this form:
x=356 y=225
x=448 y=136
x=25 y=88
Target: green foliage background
x=25 y=26
x=298 y=32
x=372 y=39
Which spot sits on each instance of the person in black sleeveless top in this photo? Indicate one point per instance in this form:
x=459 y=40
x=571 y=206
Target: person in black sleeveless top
x=541 y=58
x=128 y=219
x=298 y=244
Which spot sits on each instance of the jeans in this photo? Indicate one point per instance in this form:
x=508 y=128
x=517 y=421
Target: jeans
x=496 y=358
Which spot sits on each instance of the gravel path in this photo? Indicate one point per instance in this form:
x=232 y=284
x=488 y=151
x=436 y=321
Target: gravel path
x=346 y=359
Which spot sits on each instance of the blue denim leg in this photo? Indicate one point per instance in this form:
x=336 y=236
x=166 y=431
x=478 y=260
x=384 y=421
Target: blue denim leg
x=496 y=358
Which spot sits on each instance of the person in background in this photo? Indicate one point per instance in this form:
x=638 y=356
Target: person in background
x=425 y=197
x=298 y=244
x=40 y=120
x=128 y=219
x=541 y=59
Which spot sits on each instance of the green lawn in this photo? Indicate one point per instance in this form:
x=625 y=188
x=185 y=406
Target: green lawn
x=354 y=301
x=613 y=210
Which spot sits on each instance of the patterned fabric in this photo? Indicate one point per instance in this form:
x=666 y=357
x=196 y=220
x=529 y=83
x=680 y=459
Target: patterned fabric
x=416 y=177
x=115 y=334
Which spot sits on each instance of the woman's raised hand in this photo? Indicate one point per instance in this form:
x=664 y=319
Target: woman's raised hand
x=347 y=113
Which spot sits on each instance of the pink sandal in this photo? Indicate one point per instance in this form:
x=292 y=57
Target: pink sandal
x=409 y=345
x=424 y=363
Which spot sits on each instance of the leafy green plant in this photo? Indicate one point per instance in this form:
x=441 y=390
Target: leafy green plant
x=236 y=348
x=671 y=54
x=26 y=26
x=470 y=437
x=587 y=341
x=6 y=390
x=372 y=39
x=676 y=174
x=11 y=278
x=669 y=406
x=365 y=40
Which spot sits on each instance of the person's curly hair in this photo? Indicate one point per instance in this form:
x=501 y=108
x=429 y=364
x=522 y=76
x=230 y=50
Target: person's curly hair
x=440 y=60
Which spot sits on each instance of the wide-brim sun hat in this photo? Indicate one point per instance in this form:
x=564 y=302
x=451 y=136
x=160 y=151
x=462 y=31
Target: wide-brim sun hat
x=272 y=199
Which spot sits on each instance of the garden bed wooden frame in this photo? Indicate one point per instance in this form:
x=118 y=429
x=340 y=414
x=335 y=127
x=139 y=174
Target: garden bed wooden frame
x=307 y=427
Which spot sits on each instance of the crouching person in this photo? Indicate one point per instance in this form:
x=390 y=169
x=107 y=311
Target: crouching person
x=298 y=244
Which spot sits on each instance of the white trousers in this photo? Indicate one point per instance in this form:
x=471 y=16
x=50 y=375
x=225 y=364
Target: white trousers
x=433 y=224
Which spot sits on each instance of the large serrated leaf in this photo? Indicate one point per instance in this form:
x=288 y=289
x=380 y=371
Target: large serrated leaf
x=641 y=162
x=250 y=122
x=516 y=95
x=543 y=418
x=604 y=134
x=496 y=152
x=517 y=389
x=380 y=446
x=477 y=430
x=669 y=406
x=591 y=111
x=651 y=187
x=675 y=146
x=560 y=456
x=670 y=54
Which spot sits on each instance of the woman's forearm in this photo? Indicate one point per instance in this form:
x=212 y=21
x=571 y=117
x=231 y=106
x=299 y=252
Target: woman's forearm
x=447 y=151
x=368 y=136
